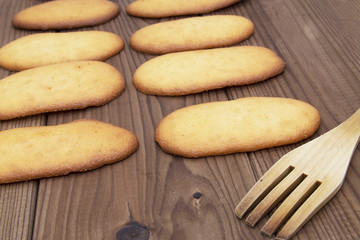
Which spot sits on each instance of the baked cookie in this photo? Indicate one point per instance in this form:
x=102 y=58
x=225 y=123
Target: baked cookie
x=201 y=70
x=57 y=87
x=191 y=34
x=167 y=8
x=47 y=48
x=47 y=151
x=242 y=125
x=66 y=14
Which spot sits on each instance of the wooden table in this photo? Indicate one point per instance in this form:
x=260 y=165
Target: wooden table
x=154 y=195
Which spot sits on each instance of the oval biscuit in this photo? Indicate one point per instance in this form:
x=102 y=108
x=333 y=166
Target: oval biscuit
x=47 y=48
x=66 y=14
x=191 y=34
x=245 y=124
x=196 y=71
x=167 y=8
x=47 y=151
x=57 y=87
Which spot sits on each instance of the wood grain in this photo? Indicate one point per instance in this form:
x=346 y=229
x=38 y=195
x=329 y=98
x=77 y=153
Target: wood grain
x=179 y=198
x=18 y=200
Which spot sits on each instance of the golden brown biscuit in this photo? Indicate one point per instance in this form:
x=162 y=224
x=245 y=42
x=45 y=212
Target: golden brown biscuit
x=57 y=87
x=66 y=14
x=167 y=8
x=196 y=71
x=245 y=124
x=191 y=34
x=37 y=152
x=47 y=48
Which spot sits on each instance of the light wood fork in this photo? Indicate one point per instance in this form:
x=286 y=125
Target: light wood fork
x=305 y=179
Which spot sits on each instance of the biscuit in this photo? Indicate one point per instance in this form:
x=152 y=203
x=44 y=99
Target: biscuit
x=37 y=152
x=57 y=87
x=47 y=151
x=242 y=125
x=191 y=34
x=46 y=48
x=167 y=8
x=66 y=14
x=196 y=71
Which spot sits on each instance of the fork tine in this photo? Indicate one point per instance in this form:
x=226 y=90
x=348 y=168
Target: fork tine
x=262 y=187
x=290 y=204
x=305 y=212
x=274 y=197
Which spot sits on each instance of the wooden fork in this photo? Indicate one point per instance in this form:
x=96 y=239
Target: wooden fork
x=305 y=179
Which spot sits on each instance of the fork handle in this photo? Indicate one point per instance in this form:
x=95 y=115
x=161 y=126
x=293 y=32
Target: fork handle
x=353 y=123
x=356 y=116
x=347 y=136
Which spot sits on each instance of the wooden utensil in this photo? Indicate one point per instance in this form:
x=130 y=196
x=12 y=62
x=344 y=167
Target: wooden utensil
x=305 y=179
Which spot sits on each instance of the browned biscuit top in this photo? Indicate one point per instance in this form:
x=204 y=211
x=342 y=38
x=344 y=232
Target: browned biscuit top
x=196 y=71
x=57 y=87
x=245 y=124
x=192 y=33
x=46 y=48
x=66 y=14
x=167 y=8
x=81 y=145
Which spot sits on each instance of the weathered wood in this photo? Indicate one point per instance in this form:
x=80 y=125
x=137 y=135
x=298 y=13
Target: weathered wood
x=178 y=198
x=18 y=200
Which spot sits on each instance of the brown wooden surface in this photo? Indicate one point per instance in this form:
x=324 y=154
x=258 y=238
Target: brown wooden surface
x=319 y=41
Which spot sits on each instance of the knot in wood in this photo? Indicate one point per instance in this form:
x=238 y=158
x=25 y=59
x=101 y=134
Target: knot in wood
x=133 y=231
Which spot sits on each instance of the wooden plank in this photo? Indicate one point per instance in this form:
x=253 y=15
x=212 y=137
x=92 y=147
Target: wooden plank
x=179 y=198
x=17 y=200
